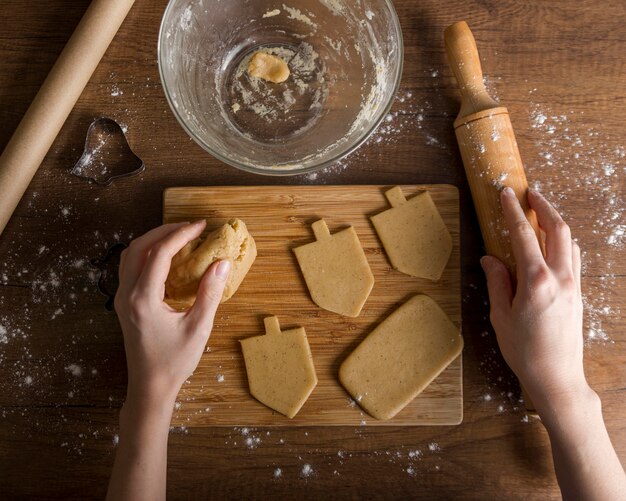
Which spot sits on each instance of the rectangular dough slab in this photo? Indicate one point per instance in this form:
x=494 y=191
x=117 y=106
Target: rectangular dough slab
x=401 y=357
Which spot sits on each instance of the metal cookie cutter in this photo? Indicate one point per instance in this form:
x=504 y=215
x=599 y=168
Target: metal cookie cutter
x=107 y=155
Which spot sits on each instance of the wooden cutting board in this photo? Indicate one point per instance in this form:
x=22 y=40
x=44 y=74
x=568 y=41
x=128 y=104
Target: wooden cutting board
x=279 y=218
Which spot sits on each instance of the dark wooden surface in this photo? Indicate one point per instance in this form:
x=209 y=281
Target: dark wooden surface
x=560 y=60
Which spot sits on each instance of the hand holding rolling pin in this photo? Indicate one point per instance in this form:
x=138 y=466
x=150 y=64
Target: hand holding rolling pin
x=535 y=293
x=539 y=328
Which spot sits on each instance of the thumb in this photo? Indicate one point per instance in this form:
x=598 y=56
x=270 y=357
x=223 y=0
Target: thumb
x=209 y=295
x=498 y=284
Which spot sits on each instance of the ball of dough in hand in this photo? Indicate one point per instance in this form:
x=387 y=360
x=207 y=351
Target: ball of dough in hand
x=232 y=242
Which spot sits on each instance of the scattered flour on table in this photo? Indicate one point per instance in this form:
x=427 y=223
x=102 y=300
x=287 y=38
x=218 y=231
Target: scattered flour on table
x=251 y=437
x=410 y=115
x=434 y=447
x=564 y=141
x=307 y=471
x=74 y=369
x=116 y=91
x=179 y=430
x=252 y=442
x=425 y=458
x=53 y=281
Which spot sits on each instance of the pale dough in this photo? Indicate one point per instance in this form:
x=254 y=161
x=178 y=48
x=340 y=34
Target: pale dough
x=268 y=67
x=414 y=235
x=336 y=270
x=401 y=357
x=232 y=241
x=280 y=368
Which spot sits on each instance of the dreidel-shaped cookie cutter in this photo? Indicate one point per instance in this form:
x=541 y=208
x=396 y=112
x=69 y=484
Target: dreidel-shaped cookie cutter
x=414 y=235
x=280 y=367
x=336 y=270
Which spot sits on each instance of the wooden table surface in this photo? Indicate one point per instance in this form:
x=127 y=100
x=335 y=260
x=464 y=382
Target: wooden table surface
x=559 y=67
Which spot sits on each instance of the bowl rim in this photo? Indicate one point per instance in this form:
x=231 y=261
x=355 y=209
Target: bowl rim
x=296 y=171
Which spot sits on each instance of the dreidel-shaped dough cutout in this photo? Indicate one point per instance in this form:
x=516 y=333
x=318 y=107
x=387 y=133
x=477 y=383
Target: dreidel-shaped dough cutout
x=336 y=270
x=401 y=357
x=280 y=367
x=414 y=235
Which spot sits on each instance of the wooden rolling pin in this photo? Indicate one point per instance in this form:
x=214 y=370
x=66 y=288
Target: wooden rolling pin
x=55 y=100
x=488 y=148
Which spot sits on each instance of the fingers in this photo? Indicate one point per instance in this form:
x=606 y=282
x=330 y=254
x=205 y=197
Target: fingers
x=498 y=284
x=526 y=249
x=133 y=258
x=576 y=266
x=558 y=235
x=209 y=296
x=157 y=267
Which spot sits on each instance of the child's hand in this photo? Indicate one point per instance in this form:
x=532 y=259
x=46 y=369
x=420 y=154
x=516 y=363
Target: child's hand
x=539 y=324
x=163 y=346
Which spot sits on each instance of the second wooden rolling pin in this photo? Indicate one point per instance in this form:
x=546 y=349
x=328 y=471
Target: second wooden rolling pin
x=46 y=115
x=488 y=148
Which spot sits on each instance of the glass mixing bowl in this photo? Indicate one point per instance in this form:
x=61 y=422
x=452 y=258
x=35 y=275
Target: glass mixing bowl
x=345 y=59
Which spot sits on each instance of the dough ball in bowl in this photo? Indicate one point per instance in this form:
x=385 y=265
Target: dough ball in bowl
x=230 y=242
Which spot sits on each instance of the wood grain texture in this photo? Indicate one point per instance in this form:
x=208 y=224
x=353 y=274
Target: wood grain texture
x=280 y=219
x=556 y=58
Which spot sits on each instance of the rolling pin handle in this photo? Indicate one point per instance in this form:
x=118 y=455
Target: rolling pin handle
x=465 y=62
